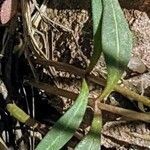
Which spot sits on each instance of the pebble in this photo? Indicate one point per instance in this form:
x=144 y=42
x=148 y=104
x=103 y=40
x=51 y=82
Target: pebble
x=136 y=65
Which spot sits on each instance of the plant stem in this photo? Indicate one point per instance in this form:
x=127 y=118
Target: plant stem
x=132 y=95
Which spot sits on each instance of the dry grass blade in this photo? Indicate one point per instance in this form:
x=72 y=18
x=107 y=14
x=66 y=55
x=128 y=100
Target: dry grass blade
x=37 y=17
x=48 y=20
x=30 y=31
x=3 y=145
x=52 y=23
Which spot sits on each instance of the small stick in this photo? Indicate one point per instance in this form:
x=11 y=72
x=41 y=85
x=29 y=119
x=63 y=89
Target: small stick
x=99 y=80
x=116 y=110
x=125 y=112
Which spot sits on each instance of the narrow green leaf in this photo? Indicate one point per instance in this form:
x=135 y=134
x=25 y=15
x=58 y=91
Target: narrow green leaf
x=92 y=139
x=66 y=126
x=96 y=15
x=116 y=42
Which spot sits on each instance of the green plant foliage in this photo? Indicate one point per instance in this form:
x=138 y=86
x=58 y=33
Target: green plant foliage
x=17 y=113
x=116 y=43
x=96 y=15
x=66 y=126
x=92 y=140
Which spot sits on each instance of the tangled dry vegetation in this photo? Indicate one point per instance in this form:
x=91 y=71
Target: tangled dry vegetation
x=45 y=51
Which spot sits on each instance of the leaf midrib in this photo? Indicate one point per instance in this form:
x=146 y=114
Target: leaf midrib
x=68 y=122
x=117 y=32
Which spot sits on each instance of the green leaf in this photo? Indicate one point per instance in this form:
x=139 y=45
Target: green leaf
x=66 y=126
x=96 y=15
x=92 y=139
x=116 y=42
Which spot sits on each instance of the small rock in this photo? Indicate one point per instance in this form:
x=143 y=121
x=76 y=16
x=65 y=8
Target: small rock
x=136 y=65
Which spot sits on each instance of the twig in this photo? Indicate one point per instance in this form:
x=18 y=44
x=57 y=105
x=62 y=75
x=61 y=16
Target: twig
x=125 y=112
x=99 y=80
x=61 y=66
x=53 y=90
x=71 y=95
